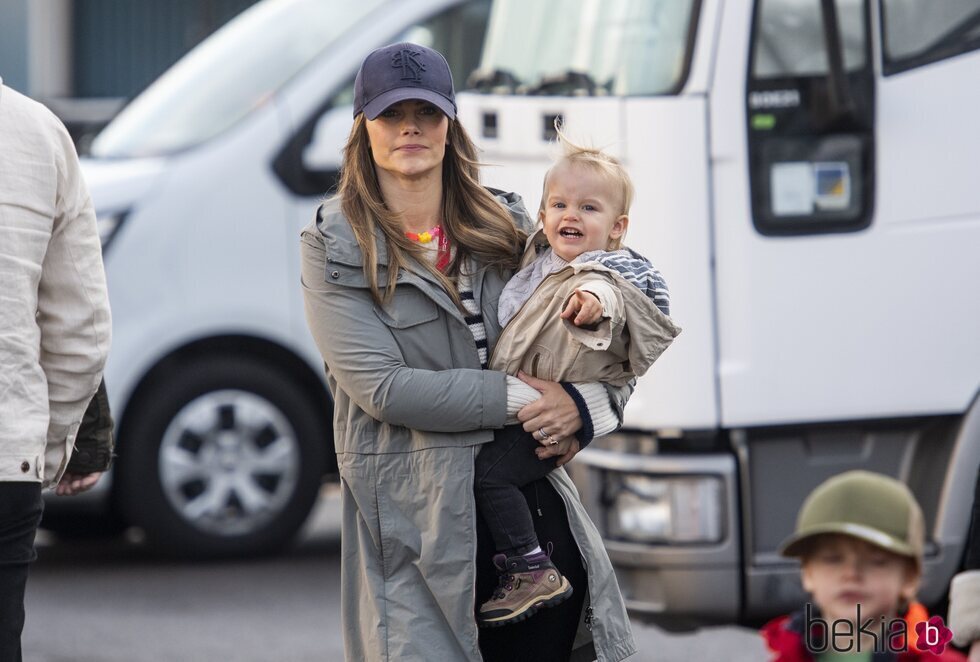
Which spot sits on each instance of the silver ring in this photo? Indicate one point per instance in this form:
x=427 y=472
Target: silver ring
x=544 y=435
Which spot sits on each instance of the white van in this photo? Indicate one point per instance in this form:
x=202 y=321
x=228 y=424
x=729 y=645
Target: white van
x=202 y=184
x=807 y=191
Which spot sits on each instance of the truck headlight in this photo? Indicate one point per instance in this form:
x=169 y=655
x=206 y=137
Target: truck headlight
x=655 y=509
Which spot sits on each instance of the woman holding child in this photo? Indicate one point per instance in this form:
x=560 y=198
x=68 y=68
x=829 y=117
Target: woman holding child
x=402 y=272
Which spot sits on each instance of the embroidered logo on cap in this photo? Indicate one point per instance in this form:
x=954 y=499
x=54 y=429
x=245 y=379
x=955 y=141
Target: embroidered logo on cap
x=409 y=62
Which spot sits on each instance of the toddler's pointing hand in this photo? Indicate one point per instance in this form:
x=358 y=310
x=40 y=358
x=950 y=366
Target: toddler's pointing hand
x=583 y=308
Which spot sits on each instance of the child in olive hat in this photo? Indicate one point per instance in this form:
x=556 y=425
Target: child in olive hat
x=859 y=538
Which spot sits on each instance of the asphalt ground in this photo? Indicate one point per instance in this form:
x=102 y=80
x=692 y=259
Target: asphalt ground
x=116 y=601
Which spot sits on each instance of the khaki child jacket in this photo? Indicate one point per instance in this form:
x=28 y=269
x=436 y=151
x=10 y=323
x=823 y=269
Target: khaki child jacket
x=631 y=336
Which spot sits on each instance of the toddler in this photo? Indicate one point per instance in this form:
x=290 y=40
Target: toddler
x=581 y=309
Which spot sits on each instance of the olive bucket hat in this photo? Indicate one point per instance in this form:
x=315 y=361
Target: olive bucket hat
x=871 y=507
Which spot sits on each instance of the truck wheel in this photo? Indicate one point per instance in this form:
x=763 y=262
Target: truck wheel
x=223 y=457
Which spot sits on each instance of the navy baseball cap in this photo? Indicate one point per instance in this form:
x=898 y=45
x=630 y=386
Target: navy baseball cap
x=403 y=71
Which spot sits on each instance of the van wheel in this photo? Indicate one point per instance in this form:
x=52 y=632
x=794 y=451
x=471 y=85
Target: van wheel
x=223 y=457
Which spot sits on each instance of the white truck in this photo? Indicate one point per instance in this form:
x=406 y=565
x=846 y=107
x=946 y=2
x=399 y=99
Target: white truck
x=805 y=180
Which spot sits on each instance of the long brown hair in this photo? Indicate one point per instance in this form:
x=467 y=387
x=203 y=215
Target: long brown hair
x=476 y=224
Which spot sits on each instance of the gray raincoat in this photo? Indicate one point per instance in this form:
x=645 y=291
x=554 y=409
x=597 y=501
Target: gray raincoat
x=411 y=408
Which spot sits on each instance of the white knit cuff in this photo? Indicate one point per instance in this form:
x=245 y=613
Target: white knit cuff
x=604 y=419
x=603 y=291
x=964 y=607
x=519 y=394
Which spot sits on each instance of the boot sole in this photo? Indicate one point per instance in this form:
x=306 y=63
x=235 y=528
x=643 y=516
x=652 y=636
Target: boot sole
x=527 y=611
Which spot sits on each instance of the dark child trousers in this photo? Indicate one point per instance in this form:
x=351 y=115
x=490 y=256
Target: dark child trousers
x=503 y=467
x=20 y=513
x=549 y=635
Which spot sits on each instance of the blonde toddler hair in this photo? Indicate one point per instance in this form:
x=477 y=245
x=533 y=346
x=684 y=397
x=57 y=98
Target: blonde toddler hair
x=598 y=161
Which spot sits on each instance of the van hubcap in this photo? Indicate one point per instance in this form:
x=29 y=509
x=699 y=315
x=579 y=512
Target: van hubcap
x=229 y=461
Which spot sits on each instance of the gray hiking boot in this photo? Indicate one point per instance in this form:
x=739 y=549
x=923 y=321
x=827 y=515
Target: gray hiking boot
x=524 y=588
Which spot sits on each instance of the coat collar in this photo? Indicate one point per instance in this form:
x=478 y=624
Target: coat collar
x=536 y=244
x=342 y=247
x=339 y=240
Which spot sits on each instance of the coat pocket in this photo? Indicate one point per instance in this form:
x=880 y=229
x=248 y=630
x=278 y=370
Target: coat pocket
x=409 y=307
x=418 y=329
x=539 y=362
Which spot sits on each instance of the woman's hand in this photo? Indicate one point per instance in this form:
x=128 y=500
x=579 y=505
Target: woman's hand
x=554 y=413
x=566 y=449
x=975 y=651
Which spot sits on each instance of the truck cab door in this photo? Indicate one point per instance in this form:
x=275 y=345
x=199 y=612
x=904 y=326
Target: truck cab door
x=845 y=221
x=797 y=256
x=835 y=237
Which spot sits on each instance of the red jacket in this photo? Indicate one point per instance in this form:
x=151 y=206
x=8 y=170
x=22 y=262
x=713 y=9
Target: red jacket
x=784 y=638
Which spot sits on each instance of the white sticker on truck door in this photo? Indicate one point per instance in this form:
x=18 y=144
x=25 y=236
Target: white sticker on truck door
x=803 y=188
x=791 y=188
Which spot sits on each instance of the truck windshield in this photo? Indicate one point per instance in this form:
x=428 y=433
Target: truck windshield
x=586 y=47
x=235 y=70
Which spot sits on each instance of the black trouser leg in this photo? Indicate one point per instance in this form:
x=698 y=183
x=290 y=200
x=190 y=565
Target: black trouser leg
x=20 y=513
x=503 y=466
x=547 y=636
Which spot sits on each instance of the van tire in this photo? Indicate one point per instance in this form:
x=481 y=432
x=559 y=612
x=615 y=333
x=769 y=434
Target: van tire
x=222 y=457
